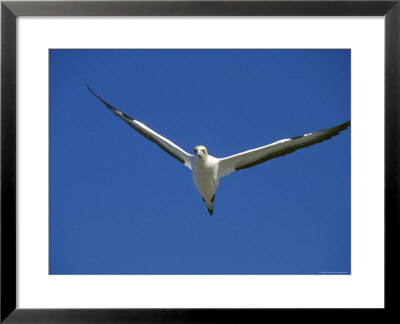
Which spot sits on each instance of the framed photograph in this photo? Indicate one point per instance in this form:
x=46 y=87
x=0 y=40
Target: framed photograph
x=179 y=161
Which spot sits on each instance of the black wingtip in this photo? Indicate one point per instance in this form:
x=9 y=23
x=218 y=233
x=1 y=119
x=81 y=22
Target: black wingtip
x=113 y=109
x=94 y=93
x=98 y=97
x=90 y=89
x=346 y=124
x=210 y=211
x=343 y=126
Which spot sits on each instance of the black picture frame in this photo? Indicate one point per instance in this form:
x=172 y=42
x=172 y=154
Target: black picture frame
x=10 y=10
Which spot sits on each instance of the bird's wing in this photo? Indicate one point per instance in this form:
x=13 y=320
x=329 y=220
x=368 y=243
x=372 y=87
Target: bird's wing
x=164 y=143
x=259 y=155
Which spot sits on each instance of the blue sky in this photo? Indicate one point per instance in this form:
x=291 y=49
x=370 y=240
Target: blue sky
x=121 y=205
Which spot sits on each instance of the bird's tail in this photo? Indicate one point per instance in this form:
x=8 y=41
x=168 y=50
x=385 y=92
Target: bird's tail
x=210 y=205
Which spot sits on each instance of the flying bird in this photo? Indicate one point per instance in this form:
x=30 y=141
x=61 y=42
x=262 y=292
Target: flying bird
x=207 y=169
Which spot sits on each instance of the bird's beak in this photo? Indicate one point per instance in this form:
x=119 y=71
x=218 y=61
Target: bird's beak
x=200 y=153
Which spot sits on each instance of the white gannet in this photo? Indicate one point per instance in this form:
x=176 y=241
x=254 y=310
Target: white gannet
x=207 y=170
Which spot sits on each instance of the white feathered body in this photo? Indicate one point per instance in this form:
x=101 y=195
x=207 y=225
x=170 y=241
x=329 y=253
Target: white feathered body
x=205 y=177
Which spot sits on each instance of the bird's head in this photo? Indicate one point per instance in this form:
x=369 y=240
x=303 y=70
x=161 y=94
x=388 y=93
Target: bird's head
x=200 y=151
